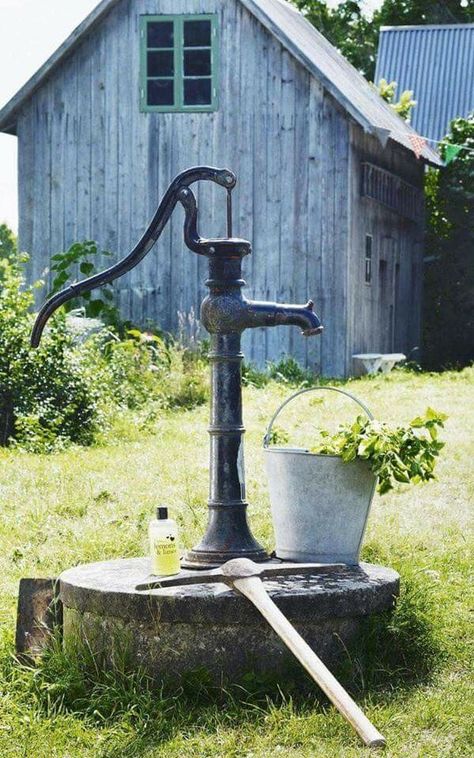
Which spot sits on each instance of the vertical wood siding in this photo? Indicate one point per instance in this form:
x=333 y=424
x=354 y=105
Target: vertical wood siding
x=92 y=166
x=385 y=315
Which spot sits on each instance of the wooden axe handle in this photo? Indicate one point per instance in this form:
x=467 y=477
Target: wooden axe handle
x=253 y=589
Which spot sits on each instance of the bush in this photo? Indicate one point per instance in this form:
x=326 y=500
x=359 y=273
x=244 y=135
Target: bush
x=49 y=396
x=289 y=371
x=98 y=303
x=63 y=392
x=144 y=368
x=449 y=278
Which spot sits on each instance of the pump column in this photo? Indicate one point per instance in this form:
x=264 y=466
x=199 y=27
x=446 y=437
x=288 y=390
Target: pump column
x=228 y=534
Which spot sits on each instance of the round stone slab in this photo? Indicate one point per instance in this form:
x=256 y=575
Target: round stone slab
x=178 y=630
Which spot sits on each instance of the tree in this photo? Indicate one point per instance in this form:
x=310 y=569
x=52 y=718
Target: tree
x=449 y=279
x=355 y=32
x=8 y=246
x=347 y=27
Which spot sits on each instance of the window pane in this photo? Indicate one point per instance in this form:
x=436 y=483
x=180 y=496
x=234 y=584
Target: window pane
x=197 y=92
x=160 y=34
x=368 y=246
x=197 y=62
x=161 y=63
x=197 y=33
x=161 y=92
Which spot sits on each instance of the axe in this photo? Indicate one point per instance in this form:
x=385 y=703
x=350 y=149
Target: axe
x=245 y=576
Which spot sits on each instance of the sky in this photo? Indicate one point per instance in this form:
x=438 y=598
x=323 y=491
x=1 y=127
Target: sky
x=30 y=31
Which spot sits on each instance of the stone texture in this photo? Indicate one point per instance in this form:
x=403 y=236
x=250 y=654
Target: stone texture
x=39 y=611
x=181 y=629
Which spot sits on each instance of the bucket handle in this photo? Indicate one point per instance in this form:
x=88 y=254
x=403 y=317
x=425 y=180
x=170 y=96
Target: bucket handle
x=266 y=439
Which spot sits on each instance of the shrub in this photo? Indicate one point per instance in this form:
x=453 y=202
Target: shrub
x=63 y=392
x=48 y=396
x=289 y=371
x=7 y=243
x=144 y=368
x=98 y=303
x=449 y=278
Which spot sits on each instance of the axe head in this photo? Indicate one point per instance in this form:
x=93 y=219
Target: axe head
x=237 y=568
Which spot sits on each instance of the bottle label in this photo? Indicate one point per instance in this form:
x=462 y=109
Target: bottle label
x=165 y=557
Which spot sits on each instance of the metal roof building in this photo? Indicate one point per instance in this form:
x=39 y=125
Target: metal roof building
x=437 y=63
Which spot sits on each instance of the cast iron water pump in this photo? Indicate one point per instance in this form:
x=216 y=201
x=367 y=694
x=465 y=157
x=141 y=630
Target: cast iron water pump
x=225 y=313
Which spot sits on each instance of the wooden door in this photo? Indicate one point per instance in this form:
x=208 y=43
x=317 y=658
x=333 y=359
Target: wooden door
x=388 y=285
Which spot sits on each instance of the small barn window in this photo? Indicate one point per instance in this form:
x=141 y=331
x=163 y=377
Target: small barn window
x=179 y=63
x=368 y=258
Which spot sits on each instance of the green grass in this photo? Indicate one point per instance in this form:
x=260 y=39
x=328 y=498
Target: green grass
x=410 y=674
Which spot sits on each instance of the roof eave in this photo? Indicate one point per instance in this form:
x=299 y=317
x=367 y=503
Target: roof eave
x=431 y=159
x=261 y=16
x=9 y=113
x=354 y=112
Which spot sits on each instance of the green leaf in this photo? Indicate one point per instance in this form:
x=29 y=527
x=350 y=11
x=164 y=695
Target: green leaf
x=86 y=267
x=95 y=308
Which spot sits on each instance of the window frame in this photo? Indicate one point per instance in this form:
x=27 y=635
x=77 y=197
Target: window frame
x=178 y=77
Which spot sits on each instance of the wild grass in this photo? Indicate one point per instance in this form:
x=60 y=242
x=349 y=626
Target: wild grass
x=410 y=672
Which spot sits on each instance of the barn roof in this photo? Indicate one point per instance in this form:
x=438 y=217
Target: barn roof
x=437 y=63
x=299 y=37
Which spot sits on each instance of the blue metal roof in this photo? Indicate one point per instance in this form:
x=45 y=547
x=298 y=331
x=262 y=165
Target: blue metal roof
x=437 y=63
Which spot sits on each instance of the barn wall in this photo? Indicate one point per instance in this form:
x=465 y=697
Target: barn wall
x=92 y=166
x=384 y=316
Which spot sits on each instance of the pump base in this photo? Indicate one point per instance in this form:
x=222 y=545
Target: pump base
x=178 y=630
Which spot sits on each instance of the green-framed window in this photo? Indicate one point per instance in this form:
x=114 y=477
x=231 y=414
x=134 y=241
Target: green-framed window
x=179 y=63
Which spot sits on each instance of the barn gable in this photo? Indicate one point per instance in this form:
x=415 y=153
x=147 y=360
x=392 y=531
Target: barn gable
x=299 y=37
x=93 y=165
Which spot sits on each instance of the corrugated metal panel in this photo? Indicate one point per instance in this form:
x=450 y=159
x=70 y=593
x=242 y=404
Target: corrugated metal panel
x=437 y=63
x=302 y=40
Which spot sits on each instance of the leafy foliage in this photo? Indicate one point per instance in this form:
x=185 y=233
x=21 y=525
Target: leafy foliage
x=355 y=30
x=347 y=27
x=145 y=368
x=405 y=454
x=80 y=255
x=8 y=247
x=449 y=283
x=388 y=90
x=49 y=396
x=289 y=371
x=66 y=393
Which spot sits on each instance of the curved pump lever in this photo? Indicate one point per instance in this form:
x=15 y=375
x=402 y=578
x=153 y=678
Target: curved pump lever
x=178 y=191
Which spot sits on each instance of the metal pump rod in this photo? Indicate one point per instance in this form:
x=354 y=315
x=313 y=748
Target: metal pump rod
x=225 y=313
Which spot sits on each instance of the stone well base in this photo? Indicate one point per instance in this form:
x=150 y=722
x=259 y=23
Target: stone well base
x=183 y=629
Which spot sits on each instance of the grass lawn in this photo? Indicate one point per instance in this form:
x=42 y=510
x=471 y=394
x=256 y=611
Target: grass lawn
x=92 y=504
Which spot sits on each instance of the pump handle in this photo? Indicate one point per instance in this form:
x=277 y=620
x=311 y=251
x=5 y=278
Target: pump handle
x=178 y=191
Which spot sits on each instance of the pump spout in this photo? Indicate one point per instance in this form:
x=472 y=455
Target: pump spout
x=226 y=312
x=278 y=314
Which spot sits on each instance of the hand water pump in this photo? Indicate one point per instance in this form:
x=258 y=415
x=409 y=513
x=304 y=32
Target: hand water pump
x=225 y=313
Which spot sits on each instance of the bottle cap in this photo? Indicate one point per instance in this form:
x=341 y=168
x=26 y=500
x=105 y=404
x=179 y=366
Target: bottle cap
x=161 y=513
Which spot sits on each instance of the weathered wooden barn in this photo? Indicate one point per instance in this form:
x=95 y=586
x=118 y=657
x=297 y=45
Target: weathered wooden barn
x=330 y=191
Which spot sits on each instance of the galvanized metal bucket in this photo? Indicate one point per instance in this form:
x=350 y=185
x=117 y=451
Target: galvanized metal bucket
x=320 y=505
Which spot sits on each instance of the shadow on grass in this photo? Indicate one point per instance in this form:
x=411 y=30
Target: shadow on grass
x=394 y=652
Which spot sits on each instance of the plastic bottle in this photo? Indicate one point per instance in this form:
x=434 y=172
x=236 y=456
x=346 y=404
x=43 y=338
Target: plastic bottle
x=164 y=550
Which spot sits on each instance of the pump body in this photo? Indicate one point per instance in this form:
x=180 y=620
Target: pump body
x=225 y=314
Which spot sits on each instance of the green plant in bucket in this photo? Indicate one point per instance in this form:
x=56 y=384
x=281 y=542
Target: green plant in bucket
x=405 y=454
